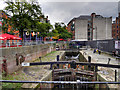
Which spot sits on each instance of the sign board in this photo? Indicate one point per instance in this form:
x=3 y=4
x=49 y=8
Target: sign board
x=25 y=64
x=117 y=44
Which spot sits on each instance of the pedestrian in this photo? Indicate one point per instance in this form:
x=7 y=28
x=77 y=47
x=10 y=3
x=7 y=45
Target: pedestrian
x=113 y=53
x=99 y=52
x=116 y=53
x=94 y=51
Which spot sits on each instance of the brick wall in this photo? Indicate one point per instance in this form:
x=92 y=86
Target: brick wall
x=26 y=54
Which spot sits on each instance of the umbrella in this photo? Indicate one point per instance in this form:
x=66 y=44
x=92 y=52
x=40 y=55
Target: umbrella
x=15 y=37
x=61 y=40
x=9 y=37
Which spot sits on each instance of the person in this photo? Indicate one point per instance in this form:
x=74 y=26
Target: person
x=94 y=51
x=57 y=47
x=113 y=53
x=99 y=51
x=116 y=53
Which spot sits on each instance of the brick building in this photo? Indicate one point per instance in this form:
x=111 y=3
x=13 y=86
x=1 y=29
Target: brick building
x=6 y=27
x=71 y=27
x=116 y=28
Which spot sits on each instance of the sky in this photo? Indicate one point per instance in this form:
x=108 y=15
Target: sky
x=65 y=10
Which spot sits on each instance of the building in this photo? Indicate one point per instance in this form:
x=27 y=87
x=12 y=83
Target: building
x=91 y=27
x=6 y=27
x=102 y=27
x=71 y=27
x=115 y=29
x=81 y=28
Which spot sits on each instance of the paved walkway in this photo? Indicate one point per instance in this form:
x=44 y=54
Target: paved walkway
x=102 y=58
x=108 y=74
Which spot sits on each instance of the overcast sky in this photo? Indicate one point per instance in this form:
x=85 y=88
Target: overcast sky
x=65 y=10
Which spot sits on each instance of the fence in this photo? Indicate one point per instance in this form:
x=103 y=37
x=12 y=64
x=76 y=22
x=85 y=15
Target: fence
x=104 y=45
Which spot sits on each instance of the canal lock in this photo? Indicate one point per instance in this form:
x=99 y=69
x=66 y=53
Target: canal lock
x=73 y=72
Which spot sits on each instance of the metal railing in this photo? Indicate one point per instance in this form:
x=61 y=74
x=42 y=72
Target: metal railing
x=59 y=82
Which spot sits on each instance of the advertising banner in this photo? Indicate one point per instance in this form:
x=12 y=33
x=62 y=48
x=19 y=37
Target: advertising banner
x=117 y=44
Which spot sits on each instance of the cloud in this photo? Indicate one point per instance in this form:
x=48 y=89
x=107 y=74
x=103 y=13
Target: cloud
x=65 y=11
x=78 y=0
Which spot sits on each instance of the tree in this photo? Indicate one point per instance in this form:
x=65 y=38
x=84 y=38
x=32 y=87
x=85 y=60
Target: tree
x=24 y=15
x=61 y=30
x=43 y=28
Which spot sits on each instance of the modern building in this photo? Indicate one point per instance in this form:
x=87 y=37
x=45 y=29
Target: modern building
x=91 y=27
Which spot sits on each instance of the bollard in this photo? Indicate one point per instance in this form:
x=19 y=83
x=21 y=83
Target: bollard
x=40 y=59
x=73 y=64
x=96 y=69
x=115 y=75
x=58 y=60
x=51 y=67
x=89 y=60
x=109 y=60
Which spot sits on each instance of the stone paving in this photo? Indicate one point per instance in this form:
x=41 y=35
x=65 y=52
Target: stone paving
x=102 y=58
x=37 y=73
x=108 y=74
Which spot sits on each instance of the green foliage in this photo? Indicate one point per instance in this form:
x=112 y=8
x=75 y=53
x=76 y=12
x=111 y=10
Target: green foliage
x=60 y=29
x=43 y=28
x=11 y=85
x=25 y=15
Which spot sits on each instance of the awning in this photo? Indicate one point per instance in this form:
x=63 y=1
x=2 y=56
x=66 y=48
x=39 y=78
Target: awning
x=55 y=37
x=9 y=37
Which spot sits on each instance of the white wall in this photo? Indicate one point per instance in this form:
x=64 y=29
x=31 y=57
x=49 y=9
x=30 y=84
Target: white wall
x=104 y=28
x=81 y=29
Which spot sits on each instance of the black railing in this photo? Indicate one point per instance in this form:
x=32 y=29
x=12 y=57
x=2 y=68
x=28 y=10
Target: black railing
x=59 y=82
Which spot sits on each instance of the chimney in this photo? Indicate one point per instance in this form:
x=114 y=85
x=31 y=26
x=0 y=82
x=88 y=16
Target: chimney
x=93 y=14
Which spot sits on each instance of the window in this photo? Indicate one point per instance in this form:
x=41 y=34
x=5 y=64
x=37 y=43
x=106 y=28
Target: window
x=117 y=31
x=88 y=33
x=117 y=36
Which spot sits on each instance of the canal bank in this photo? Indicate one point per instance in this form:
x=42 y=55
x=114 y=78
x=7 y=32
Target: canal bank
x=33 y=73
x=104 y=73
x=43 y=72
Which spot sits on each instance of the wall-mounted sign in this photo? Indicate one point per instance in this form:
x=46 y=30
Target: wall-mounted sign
x=117 y=44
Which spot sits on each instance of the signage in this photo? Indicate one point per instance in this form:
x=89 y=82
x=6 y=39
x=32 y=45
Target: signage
x=25 y=64
x=117 y=44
